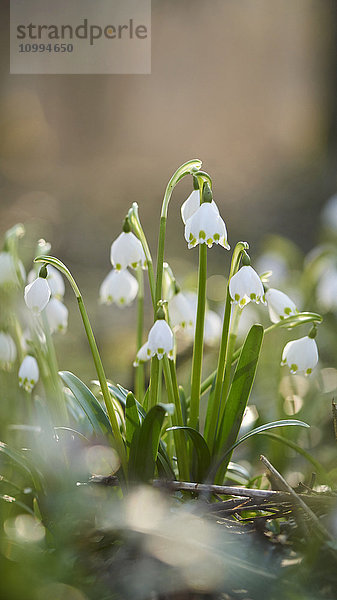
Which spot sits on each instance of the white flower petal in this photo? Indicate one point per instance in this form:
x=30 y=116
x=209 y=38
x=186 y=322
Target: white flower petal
x=300 y=355
x=127 y=251
x=143 y=355
x=246 y=286
x=327 y=289
x=57 y=315
x=206 y=226
x=119 y=287
x=8 y=274
x=191 y=205
x=180 y=311
x=160 y=340
x=37 y=295
x=280 y=306
x=55 y=281
x=7 y=350
x=28 y=373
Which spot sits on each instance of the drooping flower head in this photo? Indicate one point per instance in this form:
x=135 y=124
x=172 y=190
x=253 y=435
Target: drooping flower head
x=54 y=279
x=119 y=287
x=57 y=316
x=246 y=286
x=280 y=306
x=191 y=205
x=126 y=250
x=7 y=350
x=300 y=355
x=161 y=340
x=204 y=225
x=28 y=373
x=37 y=293
x=180 y=311
x=8 y=271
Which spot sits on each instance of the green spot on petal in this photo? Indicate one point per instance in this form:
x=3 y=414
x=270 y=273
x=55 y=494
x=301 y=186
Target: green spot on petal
x=118 y=266
x=216 y=237
x=287 y=310
x=202 y=235
x=253 y=296
x=237 y=297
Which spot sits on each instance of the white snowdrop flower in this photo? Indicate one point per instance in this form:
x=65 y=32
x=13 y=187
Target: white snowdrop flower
x=191 y=205
x=212 y=328
x=327 y=289
x=57 y=315
x=8 y=273
x=161 y=340
x=329 y=213
x=37 y=295
x=7 y=350
x=246 y=286
x=127 y=251
x=143 y=354
x=280 y=306
x=300 y=355
x=28 y=373
x=206 y=226
x=119 y=287
x=180 y=311
x=55 y=281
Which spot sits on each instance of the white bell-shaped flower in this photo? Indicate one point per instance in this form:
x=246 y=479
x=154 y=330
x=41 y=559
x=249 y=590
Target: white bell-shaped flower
x=8 y=272
x=246 y=286
x=143 y=355
x=206 y=226
x=300 y=355
x=280 y=306
x=7 y=350
x=212 y=328
x=57 y=315
x=127 y=251
x=55 y=281
x=37 y=295
x=120 y=287
x=28 y=373
x=327 y=289
x=180 y=311
x=161 y=340
x=191 y=205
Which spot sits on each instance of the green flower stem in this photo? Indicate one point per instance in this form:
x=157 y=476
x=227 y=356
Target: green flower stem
x=185 y=169
x=154 y=382
x=224 y=359
x=177 y=418
x=137 y=227
x=95 y=354
x=229 y=358
x=139 y=376
x=198 y=339
x=53 y=367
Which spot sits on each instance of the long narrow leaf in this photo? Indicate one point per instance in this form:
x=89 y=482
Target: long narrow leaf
x=144 y=446
x=240 y=390
x=132 y=420
x=89 y=404
x=202 y=451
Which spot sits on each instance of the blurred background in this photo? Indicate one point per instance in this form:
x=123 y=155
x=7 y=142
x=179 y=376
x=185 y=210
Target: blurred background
x=248 y=87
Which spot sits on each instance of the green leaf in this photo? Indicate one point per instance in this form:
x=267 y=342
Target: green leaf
x=202 y=451
x=239 y=391
x=89 y=404
x=132 y=419
x=183 y=402
x=144 y=446
x=256 y=431
x=278 y=438
x=21 y=461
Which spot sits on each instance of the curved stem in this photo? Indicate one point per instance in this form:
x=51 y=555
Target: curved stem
x=198 y=338
x=95 y=354
x=137 y=227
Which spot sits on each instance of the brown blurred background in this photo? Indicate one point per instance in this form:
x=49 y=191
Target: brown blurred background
x=249 y=87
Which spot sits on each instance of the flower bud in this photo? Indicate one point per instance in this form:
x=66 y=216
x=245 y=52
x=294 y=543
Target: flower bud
x=7 y=350
x=119 y=287
x=57 y=316
x=246 y=286
x=300 y=355
x=28 y=373
x=127 y=251
x=37 y=295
